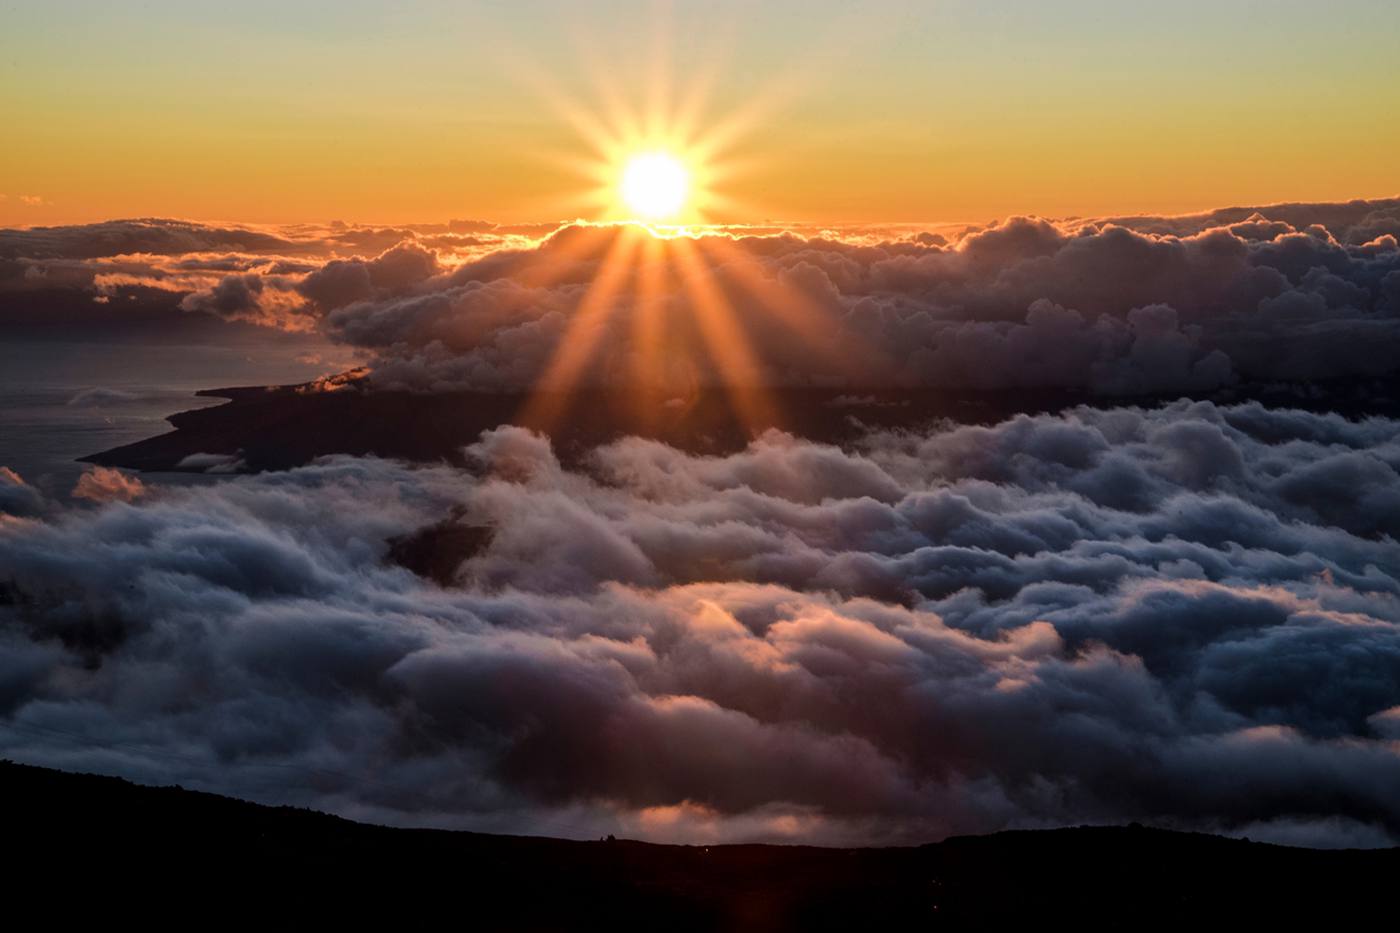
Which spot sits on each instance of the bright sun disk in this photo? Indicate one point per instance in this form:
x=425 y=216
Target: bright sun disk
x=654 y=185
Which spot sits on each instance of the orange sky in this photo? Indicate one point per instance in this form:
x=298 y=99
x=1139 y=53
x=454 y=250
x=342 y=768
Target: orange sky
x=898 y=111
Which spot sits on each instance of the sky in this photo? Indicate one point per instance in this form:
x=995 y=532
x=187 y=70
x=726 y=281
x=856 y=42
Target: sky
x=882 y=111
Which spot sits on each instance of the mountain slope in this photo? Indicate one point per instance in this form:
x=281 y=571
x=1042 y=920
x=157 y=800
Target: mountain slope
x=127 y=847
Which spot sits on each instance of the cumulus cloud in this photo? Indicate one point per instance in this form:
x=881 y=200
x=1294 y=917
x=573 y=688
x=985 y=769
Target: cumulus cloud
x=1122 y=306
x=341 y=282
x=1356 y=222
x=1187 y=615
x=105 y=484
x=1023 y=303
x=18 y=498
x=255 y=298
x=170 y=273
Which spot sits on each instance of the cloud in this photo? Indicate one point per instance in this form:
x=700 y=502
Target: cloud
x=127 y=237
x=212 y=463
x=123 y=275
x=18 y=498
x=1023 y=303
x=341 y=282
x=101 y=395
x=1188 y=615
x=1354 y=222
x=104 y=484
x=1120 y=306
x=255 y=298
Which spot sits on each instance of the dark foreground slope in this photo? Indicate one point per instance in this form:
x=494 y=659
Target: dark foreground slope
x=276 y=427
x=116 y=849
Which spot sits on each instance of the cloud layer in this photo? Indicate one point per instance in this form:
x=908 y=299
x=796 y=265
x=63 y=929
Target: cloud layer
x=1188 y=615
x=1134 y=305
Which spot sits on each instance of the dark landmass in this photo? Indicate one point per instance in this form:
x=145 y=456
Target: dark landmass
x=435 y=552
x=279 y=427
x=123 y=850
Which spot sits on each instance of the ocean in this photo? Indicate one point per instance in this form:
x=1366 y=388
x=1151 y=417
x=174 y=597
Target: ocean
x=62 y=400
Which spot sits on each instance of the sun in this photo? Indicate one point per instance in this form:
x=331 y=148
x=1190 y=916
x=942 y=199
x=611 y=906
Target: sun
x=654 y=185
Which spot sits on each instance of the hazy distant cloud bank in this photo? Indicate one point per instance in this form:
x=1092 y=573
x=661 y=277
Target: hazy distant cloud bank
x=1188 y=615
x=179 y=275
x=1121 y=305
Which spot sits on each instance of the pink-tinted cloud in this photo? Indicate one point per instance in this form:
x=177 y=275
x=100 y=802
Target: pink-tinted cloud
x=104 y=484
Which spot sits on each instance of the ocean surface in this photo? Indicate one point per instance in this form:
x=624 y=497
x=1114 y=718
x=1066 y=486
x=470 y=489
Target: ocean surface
x=64 y=400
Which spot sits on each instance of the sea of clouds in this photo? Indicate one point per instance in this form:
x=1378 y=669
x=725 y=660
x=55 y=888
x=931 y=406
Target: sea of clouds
x=1122 y=306
x=1188 y=616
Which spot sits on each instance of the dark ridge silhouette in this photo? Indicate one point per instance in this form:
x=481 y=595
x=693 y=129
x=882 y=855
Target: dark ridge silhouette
x=279 y=427
x=120 y=850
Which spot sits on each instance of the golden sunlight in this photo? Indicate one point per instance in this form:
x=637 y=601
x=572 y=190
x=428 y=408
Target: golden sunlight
x=661 y=162
x=655 y=224
x=654 y=185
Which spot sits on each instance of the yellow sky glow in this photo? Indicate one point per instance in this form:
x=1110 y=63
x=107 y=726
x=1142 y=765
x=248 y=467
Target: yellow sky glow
x=908 y=112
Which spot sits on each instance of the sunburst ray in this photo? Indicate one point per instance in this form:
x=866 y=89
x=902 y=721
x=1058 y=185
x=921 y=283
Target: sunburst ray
x=585 y=328
x=737 y=368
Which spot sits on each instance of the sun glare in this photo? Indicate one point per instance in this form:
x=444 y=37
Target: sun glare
x=661 y=158
x=654 y=185
x=656 y=222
